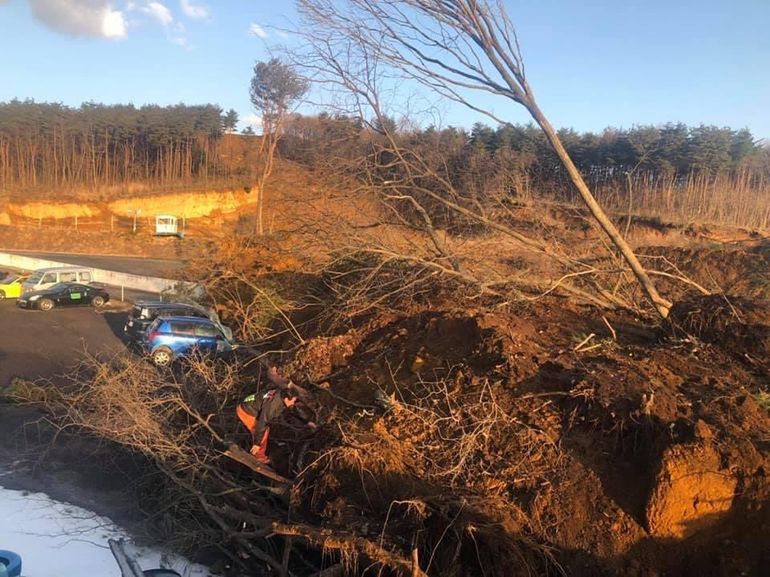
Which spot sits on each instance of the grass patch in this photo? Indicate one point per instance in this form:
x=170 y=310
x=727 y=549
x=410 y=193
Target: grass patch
x=21 y=391
x=763 y=399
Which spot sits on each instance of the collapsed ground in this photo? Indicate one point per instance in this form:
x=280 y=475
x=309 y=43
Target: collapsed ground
x=494 y=438
x=635 y=454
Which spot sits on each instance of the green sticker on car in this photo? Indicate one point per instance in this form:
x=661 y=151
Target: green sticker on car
x=76 y=296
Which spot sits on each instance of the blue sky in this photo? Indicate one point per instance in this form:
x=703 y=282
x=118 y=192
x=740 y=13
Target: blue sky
x=591 y=63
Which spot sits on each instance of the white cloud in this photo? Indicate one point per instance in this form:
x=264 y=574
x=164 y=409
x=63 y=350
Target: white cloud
x=192 y=11
x=159 y=12
x=178 y=35
x=114 y=25
x=110 y=18
x=253 y=120
x=90 y=18
x=257 y=30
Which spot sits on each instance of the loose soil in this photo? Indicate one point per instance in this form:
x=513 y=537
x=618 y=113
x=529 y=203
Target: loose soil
x=637 y=454
x=538 y=439
x=643 y=452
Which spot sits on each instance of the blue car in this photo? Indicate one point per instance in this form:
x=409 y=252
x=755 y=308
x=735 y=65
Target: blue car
x=170 y=338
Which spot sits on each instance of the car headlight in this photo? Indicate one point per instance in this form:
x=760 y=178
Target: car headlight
x=33 y=298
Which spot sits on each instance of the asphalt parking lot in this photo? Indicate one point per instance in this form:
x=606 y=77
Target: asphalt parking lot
x=35 y=344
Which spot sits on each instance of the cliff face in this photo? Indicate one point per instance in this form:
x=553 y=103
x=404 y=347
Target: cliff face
x=187 y=205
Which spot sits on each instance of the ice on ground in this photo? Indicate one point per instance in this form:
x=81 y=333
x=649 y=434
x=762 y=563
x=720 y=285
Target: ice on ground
x=56 y=539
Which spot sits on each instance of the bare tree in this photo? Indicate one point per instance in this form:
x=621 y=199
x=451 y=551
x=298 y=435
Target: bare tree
x=275 y=88
x=458 y=47
x=416 y=188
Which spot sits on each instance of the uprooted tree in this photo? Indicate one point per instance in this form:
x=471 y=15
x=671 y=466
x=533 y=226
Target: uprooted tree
x=455 y=47
x=423 y=201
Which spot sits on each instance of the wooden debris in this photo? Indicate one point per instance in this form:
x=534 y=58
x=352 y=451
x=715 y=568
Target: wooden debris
x=244 y=458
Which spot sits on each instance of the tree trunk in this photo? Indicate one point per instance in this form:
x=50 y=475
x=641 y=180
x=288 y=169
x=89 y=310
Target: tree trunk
x=661 y=305
x=260 y=203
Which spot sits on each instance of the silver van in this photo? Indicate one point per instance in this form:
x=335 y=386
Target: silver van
x=44 y=278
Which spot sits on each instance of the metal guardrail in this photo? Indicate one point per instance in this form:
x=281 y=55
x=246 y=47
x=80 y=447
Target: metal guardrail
x=121 y=279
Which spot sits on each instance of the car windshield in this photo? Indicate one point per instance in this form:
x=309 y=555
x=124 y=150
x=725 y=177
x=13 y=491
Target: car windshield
x=35 y=277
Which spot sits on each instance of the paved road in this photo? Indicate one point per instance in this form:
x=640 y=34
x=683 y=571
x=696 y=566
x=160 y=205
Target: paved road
x=35 y=344
x=127 y=264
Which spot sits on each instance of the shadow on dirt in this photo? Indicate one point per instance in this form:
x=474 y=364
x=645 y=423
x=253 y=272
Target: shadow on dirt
x=116 y=320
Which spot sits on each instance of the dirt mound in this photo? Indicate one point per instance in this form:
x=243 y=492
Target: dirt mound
x=691 y=492
x=739 y=269
x=323 y=356
x=626 y=459
x=537 y=439
x=735 y=322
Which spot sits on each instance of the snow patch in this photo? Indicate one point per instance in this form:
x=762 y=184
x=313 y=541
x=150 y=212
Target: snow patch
x=55 y=539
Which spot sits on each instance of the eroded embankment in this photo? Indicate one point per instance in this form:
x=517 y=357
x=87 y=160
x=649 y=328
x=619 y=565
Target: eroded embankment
x=495 y=443
x=187 y=205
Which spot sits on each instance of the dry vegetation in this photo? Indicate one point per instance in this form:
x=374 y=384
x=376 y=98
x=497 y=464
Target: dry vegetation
x=461 y=433
x=495 y=396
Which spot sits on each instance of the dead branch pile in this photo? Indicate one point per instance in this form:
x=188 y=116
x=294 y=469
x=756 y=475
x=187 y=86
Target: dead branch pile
x=431 y=468
x=182 y=422
x=732 y=321
x=421 y=488
x=451 y=443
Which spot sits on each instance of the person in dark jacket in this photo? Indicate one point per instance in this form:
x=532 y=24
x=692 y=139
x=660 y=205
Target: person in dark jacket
x=257 y=411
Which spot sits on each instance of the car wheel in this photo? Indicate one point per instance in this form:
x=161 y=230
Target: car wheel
x=162 y=357
x=2 y=295
x=46 y=305
x=97 y=301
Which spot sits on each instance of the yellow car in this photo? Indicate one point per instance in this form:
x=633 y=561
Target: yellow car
x=10 y=286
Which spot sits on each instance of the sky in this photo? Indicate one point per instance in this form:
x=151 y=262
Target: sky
x=591 y=63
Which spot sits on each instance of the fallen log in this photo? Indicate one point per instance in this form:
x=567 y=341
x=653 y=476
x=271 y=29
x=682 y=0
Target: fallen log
x=245 y=458
x=128 y=565
x=328 y=539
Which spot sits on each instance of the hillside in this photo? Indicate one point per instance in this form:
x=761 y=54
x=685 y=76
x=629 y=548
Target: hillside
x=510 y=416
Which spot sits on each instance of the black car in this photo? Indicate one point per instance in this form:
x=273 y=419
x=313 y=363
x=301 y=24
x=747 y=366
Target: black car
x=63 y=294
x=144 y=312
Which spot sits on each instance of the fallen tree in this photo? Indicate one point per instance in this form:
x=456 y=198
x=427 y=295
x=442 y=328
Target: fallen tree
x=454 y=48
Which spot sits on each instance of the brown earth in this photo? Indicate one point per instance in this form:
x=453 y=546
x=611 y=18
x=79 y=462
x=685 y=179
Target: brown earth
x=643 y=455
x=540 y=438
x=99 y=243
x=494 y=437
x=690 y=492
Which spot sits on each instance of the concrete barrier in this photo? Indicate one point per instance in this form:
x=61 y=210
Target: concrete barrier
x=121 y=279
